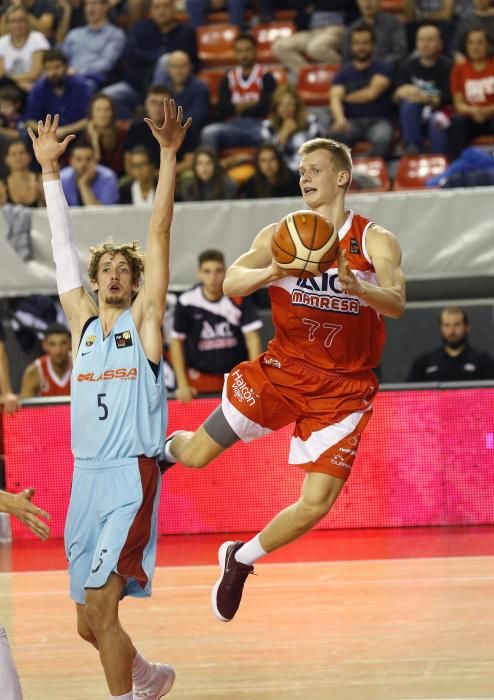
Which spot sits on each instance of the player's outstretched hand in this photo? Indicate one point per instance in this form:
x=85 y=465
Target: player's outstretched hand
x=47 y=148
x=171 y=135
x=348 y=282
x=29 y=514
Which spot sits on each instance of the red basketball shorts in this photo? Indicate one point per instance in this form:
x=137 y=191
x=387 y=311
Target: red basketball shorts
x=330 y=411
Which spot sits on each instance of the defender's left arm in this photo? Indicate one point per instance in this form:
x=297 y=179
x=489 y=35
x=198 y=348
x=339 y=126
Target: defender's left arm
x=388 y=298
x=149 y=307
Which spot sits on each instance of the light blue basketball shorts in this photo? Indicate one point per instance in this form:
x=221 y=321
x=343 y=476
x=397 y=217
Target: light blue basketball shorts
x=112 y=524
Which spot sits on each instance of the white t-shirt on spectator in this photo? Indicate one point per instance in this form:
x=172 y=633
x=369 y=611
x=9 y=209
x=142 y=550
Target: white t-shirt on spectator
x=18 y=60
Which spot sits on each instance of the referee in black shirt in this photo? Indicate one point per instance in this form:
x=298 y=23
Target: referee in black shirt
x=456 y=360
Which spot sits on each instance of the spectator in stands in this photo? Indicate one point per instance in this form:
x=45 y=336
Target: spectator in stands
x=148 y=40
x=208 y=180
x=22 y=184
x=9 y=399
x=272 y=178
x=321 y=40
x=244 y=98
x=57 y=92
x=439 y=12
x=21 y=49
x=106 y=136
x=360 y=101
x=94 y=50
x=389 y=33
x=481 y=16
x=211 y=332
x=198 y=9
x=49 y=375
x=139 y=133
x=423 y=92
x=11 y=121
x=288 y=125
x=84 y=182
x=456 y=360
x=188 y=91
x=140 y=190
x=42 y=16
x=472 y=87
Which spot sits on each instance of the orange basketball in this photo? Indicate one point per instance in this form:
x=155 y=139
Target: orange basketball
x=305 y=243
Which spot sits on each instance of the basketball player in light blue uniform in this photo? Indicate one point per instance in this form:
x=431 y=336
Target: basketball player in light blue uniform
x=118 y=412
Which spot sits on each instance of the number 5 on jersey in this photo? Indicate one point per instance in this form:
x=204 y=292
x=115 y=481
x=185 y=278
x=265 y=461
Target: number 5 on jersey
x=103 y=406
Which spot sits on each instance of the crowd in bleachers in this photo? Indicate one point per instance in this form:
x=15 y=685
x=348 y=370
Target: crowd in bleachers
x=392 y=78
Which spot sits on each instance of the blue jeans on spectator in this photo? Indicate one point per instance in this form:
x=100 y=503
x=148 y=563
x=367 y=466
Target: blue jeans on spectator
x=412 y=128
x=197 y=10
x=378 y=132
x=240 y=131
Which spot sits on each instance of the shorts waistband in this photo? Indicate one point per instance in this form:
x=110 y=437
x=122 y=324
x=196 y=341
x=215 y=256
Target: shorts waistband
x=305 y=368
x=97 y=465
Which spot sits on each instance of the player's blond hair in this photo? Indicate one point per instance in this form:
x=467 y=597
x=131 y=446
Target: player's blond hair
x=340 y=154
x=131 y=251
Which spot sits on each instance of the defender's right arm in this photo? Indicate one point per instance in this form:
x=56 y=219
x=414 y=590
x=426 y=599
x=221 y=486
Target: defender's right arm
x=253 y=269
x=76 y=302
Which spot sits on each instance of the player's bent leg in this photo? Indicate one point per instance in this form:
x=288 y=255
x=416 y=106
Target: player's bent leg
x=115 y=647
x=9 y=678
x=84 y=629
x=319 y=492
x=198 y=449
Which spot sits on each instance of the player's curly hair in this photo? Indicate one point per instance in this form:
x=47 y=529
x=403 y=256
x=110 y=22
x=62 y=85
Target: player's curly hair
x=131 y=251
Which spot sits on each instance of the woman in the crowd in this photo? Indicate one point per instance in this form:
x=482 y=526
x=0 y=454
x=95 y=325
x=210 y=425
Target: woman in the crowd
x=288 y=125
x=22 y=184
x=140 y=190
x=208 y=180
x=272 y=177
x=104 y=133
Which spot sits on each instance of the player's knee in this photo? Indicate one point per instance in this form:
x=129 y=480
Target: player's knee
x=99 y=615
x=85 y=632
x=311 y=510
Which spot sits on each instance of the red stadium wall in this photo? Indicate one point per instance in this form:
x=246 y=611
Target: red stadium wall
x=426 y=458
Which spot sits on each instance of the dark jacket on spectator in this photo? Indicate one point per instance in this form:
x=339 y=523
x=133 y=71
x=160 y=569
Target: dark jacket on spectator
x=226 y=107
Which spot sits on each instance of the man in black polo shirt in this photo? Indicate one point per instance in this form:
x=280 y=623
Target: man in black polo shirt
x=456 y=360
x=211 y=332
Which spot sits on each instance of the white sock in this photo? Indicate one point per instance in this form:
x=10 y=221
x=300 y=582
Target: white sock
x=141 y=670
x=127 y=696
x=250 y=552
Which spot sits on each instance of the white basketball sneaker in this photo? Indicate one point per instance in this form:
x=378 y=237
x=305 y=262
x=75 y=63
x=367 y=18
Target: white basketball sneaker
x=160 y=684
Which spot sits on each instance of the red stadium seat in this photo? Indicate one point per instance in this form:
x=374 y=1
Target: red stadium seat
x=279 y=73
x=413 y=171
x=215 y=44
x=314 y=82
x=212 y=77
x=397 y=7
x=266 y=34
x=374 y=167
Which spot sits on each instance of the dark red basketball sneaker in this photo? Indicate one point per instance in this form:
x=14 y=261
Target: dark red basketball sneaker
x=227 y=592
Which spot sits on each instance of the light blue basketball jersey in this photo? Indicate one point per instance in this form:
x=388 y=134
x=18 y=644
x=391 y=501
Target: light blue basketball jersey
x=118 y=404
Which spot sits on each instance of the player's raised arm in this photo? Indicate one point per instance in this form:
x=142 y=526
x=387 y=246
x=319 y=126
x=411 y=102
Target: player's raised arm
x=76 y=302
x=384 y=250
x=253 y=269
x=149 y=306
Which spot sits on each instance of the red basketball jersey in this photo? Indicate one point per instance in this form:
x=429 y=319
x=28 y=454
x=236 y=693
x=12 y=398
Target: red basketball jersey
x=50 y=384
x=321 y=326
x=247 y=89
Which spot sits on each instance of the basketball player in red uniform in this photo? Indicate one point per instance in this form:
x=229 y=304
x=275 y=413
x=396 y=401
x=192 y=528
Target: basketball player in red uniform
x=317 y=371
x=49 y=375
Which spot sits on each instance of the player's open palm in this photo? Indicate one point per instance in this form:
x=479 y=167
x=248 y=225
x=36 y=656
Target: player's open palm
x=171 y=135
x=47 y=148
x=29 y=514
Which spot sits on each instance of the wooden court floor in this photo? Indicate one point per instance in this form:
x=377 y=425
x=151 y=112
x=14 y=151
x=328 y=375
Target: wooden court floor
x=343 y=630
